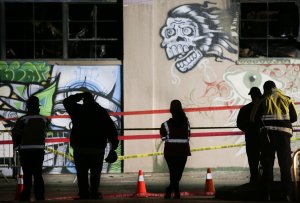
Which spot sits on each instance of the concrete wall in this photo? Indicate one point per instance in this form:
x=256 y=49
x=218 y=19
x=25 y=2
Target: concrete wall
x=152 y=78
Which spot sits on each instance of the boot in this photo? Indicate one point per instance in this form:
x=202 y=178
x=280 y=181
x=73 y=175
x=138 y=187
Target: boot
x=176 y=193
x=168 y=192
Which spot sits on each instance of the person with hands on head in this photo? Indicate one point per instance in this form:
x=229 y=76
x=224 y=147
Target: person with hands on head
x=92 y=128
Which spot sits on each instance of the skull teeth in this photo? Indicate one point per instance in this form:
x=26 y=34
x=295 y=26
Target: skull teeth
x=188 y=62
x=177 y=50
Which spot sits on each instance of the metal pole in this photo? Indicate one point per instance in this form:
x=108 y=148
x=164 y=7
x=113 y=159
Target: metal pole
x=295 y=156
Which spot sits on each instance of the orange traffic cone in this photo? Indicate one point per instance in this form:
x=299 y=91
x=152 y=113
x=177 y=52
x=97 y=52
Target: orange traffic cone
x=209 y=184
x=141 y=187
x=20 y=185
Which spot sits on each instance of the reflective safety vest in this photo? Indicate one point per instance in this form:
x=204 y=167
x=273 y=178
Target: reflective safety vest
x=278 y=112
x=167 y=138
x=176 y=139
x=30 y=132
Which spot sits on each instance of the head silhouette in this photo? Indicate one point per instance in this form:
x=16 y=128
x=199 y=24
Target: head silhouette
x=88 y=98
x=178 y=115
x=268 y=86
x=33 y=104
x=255 y=93
x=175 y=106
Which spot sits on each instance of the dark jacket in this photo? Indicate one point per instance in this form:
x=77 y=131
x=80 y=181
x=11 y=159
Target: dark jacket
x=176 y=138
x=29 y=132
x=251 y=129
x=92 y=125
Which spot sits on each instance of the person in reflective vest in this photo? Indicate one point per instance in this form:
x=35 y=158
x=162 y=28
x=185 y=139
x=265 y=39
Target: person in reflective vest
x=275 y=115
x=176 y=134
x=28 y=136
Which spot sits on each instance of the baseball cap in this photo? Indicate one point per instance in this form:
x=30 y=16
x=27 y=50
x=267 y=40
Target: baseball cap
x=254 y=91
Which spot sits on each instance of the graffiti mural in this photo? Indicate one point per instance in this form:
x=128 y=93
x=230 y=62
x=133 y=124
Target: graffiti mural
x=51 y=84
x=192 y=32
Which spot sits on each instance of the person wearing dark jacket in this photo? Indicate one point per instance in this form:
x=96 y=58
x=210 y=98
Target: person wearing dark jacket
x=176 y=134
x=28 y=137
x=275 y=115
x=252 y=133
x=92 y=129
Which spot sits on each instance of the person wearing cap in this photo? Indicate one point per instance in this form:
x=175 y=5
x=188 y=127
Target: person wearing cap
x=175 y=132
x=28 y=136
x=275 y=115
x=252 y=133
x=92 y=129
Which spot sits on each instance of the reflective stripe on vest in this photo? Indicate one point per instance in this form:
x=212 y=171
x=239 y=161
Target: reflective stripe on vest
x=32 y=146
x=275 y=117
x=283 y=129
x=177 y=140
x=167 y=130
x=168 y=139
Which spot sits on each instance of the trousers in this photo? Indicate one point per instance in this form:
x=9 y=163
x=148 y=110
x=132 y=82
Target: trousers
x=176 y=167
x=253 y=155
x=279 y=143
x=85 y=163
x=32 y=165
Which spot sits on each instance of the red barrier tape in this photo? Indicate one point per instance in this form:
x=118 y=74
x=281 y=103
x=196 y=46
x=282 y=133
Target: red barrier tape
x=148 y=194
x=129 y=113
x=152 y=136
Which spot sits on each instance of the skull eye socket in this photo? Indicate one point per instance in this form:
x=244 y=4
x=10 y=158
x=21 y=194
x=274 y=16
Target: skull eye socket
x=170 y=32
x=187 y=31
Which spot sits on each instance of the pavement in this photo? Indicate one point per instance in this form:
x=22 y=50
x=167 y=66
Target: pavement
x=230 y=185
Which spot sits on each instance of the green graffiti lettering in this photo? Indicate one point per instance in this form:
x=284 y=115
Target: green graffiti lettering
x=24 y=72
x=8 y=75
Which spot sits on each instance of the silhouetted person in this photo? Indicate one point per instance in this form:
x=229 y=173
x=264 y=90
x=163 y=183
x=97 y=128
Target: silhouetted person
x=92 y=128
x=252 y=132
x=275 y=114
x=28 y=136
x=176 y=134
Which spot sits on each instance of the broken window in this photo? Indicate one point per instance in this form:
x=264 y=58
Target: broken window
x=96 y=32
x=269 y=29
x=33 y=30
x=40 y=29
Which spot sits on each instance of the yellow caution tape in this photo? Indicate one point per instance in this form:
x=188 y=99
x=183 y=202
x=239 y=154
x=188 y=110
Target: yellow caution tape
x=59 y=153
x=159 y=153
x=140 y=155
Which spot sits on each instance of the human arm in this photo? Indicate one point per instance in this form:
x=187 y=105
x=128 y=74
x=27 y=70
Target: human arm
x=293 y=112
x=163 y=131
x=16 y=133
x=112 y=133
x=240 y=121
x=70 y=103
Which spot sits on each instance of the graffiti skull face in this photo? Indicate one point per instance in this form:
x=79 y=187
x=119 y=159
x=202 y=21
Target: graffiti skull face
x=180 y=39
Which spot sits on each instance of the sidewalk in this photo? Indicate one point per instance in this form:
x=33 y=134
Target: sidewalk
x=125 y=183
x=64 y=187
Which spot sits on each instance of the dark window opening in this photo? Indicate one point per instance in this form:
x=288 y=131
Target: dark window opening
x=48 y=30
x=269 y=29
x=96 y=32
